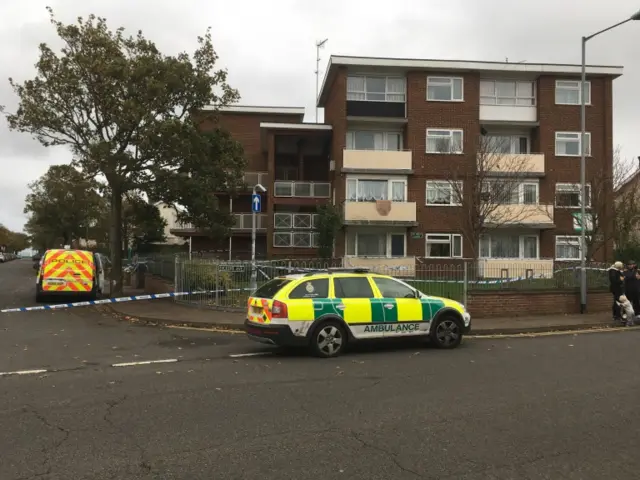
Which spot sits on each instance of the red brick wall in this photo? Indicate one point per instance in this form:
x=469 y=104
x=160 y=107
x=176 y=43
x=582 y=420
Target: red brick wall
x=532 y=303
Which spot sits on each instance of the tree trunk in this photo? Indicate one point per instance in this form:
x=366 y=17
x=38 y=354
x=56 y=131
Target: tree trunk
x=116 y=241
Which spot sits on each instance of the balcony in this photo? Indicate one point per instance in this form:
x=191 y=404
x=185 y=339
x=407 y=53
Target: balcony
x=384 y=161
x=396 y=266
x=289 y=189
x=294 y=221
x=244 y=221
x=517 y=164
x=531 y=216
x=512 y=114
x=382 y=212
x=515 y=267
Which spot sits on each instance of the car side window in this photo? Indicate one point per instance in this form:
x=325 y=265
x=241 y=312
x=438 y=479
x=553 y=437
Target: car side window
x=352 y=287
x=393 y=289
x=311 y=289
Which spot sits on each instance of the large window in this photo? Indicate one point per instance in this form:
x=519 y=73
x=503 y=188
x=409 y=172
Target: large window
x=568 y=247
x=445 y=89
x=443 y=245
x=568 y=144
x=444 y=193
x=508 y=192
x=509 y=246
x=371 y=140
x=444 y=141
x=371 y=190
x=376 y=244
x=352 y=287
x=390 y=288
x=507 y=92
x=376 y=89
x=311 y=289
x=515 y=144
x=568 y=195
x=568 y=92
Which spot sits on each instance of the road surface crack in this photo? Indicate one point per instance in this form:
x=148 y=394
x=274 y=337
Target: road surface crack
x=46 y=449
x=143 y=464
x=391 y=455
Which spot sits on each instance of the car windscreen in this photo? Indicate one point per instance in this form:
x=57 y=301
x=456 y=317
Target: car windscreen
x=269 y=289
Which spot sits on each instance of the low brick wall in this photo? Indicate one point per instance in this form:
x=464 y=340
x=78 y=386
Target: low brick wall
x=514 y=303
x=155 y=284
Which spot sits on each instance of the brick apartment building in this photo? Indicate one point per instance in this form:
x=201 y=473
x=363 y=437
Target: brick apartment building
x=379 y=158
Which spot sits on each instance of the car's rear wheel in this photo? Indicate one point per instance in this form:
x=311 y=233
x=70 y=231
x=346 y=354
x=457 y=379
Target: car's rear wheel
x=329 y=339
x=446 y=332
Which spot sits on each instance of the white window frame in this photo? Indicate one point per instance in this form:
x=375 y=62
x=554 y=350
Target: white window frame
x=579 y=140
x=451 y=132
x=521 y=238
x=520 y=187
x=374 y=232
x=578 y=189
x=569 y=239
x=493 y=99
x=351 y=139
x=451 y=244
x=387 y=93
x=514 y=142
x=453 y=202
x=442 y=81
x=575 y=86
x=379 y=178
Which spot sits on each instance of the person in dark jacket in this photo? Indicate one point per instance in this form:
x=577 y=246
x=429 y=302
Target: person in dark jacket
x=622 y=309
x=632 y=285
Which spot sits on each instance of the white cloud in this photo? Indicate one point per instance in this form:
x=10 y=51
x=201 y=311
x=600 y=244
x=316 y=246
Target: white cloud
x=269 y=49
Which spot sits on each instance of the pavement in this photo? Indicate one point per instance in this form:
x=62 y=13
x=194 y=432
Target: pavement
x=215 y=405
x=168 y=312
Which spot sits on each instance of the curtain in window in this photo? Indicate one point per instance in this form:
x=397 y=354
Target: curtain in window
x=397 y=191
x=372 y=190
x=439 y=194
x=395 y=90
x=530 y=194
x=485 y=246
x=355 y=88
x=530 y=245
x=564 y=249
x=372 y=245
x=505 y=246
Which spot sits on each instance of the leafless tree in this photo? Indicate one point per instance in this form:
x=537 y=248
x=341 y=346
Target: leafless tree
x=494 y=193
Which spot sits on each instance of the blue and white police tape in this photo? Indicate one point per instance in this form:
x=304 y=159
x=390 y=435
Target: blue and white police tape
x=103 y=301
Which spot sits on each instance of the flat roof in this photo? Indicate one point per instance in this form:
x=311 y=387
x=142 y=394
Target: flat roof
x=390 y=64
x=296 y=126
x=257 y=109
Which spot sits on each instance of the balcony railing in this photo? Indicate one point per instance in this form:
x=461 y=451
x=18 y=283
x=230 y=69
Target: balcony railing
x=381 y=212
x=295 y=221
x=533 y=216
x=376 y=160
x=243 y=221
x=295 y=239
x=515 y=164
x=301 y=189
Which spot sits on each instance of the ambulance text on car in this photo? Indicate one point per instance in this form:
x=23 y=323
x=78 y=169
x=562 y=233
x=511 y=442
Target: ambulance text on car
x=325 y=310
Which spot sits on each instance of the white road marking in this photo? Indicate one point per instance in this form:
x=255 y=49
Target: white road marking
x=22 y=372
x=256 y=354
x=147 y=362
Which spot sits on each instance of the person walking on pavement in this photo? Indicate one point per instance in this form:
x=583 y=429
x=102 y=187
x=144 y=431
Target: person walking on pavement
x=620 y=301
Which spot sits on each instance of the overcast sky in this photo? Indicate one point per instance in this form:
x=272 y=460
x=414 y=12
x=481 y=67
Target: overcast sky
x=269 y=49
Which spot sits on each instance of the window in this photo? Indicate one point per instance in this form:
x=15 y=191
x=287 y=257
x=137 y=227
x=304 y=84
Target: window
x=509 y=246
x=568 y=92
x=269 y=289
x=375 y=244
x=393 y=289
x=352 y=287
x=568 y=195
x=295 y=239
x=568 y=144
x=445 y=89
x=376 y=89
x=508 y=192
x=514 y=144
x=371 y=190
x=568 y=247
x=443 y=246
x=507 y=92
x=311 y=289
x=370 y=140
x=444 y=193
x=444 y=141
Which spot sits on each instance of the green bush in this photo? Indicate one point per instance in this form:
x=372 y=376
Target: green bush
x=204 y=276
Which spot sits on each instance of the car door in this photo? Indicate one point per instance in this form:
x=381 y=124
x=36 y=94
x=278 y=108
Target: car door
x=356 y=294
x=402 y=308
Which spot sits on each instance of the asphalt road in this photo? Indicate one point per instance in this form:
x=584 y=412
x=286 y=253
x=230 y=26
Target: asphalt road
x=557 y=407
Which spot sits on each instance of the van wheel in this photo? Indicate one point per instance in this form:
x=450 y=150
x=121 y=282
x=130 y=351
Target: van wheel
x=329 y=339
x=446 y=332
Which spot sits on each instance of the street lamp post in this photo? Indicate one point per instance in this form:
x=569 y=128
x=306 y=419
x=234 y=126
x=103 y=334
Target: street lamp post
x=256 y=206
x=583 y=167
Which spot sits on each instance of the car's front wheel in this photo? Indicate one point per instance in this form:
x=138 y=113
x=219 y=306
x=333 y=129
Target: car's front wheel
x=329 y=339
x=446 y=332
